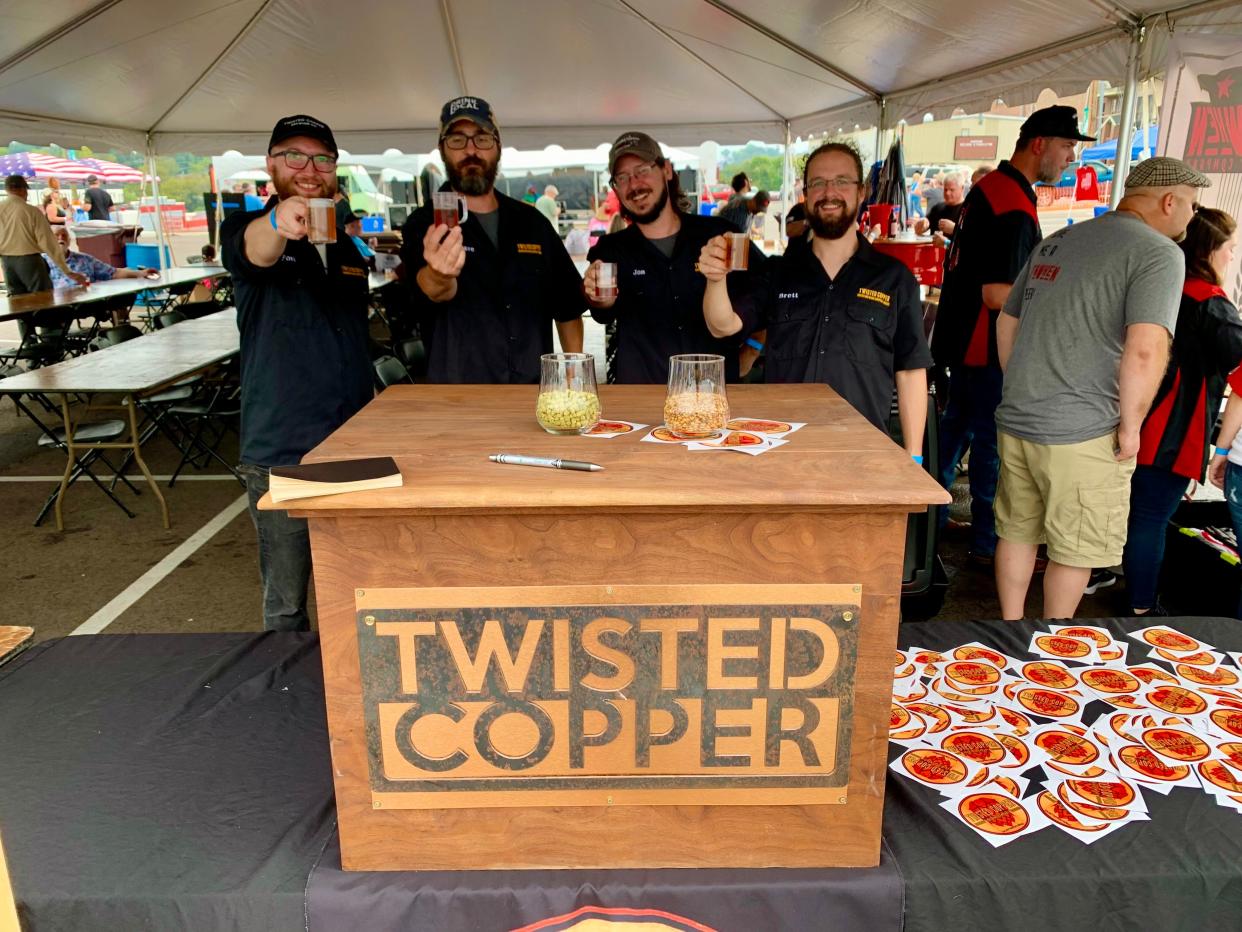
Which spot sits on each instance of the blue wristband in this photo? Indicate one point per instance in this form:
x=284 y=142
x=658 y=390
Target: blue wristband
x=918 y=459
x=1222 y=451
x=754 y=344
x=271 y=215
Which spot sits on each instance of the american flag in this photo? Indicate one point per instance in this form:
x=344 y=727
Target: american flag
x=38 y=165
x=113 y=171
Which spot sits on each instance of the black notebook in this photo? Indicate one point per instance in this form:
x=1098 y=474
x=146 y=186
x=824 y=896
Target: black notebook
x=334 y=478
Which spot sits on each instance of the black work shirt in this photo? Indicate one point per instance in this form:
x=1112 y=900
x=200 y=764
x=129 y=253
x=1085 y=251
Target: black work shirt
x=659 y=306
x=853 y=332
x=943 y=211
x=305 y=367
x=500 y=321
x=996 y=233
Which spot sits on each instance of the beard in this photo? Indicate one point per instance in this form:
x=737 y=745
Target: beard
x=472 y=175
x=286 y=185
x=648 y=216
x=1048 y=170
x=832 y=227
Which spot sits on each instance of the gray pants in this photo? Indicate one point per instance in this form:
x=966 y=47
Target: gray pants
x=284 y=558
x=24 y=274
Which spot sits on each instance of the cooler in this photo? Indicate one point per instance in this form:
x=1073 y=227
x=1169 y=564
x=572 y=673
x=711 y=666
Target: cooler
x=920 y=256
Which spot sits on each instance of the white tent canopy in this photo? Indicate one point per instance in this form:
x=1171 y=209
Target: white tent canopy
x=209 y=75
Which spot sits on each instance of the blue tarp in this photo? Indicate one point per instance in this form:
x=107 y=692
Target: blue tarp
x=1108 y=150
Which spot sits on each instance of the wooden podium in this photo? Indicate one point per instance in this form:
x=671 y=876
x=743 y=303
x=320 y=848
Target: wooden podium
x=684 y=660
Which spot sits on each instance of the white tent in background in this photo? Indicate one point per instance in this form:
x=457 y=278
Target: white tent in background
x=205 y=76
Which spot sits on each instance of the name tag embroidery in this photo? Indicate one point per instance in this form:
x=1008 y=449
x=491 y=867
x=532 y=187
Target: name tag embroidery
x=351 y=270
x=879 y=297
x=787 y=296
x=638 y=272
x=530 y=249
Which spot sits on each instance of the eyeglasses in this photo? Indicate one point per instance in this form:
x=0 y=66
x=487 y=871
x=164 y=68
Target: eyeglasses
x=458 y=140
x=298 y=160
x=639 y=174
x=815 y=185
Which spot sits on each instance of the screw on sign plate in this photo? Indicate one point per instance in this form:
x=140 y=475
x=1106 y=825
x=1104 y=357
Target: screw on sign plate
x=375 y=804
x=840 y=799
x=369 y=619
x=361 y=593
x=610 y=800
x=848 y=616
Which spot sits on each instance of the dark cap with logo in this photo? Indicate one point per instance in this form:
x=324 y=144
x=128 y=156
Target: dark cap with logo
x=302 y=125
x=633 y=143
x=475 y=109
x=1054 y=121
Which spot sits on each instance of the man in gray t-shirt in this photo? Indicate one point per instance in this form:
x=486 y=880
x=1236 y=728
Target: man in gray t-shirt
x=1084 y=341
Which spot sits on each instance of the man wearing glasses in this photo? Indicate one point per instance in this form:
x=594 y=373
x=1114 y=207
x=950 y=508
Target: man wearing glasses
x=658 y=305
x=1083 y=340
x=835 y=310
x=305 y=368
x=487 y=290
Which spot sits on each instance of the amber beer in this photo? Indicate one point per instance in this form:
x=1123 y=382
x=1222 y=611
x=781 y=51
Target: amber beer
x=320 y=220
x=737 y=252
x=447 y=208
x=606 y=280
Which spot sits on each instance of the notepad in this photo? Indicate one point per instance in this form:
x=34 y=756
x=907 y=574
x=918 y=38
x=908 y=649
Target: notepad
x=333 y=478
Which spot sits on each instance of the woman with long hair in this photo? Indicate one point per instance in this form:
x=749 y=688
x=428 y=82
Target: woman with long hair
x=1173 y=451
x=52 y=208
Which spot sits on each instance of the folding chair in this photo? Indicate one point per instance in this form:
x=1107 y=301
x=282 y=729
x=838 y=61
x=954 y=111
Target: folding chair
x=389 y=370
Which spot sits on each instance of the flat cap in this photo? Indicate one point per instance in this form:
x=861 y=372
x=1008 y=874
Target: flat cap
x=1164 y=172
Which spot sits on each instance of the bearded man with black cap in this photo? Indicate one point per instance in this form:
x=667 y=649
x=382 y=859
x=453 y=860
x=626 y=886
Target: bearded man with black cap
x=487 y=289
x=658 y=306
x=305 y=368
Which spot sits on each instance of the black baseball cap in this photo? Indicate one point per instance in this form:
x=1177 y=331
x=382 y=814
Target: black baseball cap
x=475 y=109
x=302 y=125
x=1054 y=121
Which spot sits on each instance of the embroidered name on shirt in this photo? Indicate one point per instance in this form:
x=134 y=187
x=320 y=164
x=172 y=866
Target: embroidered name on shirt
x=1045 y=273
x=878 y=297
x=638 y=272
x=787 y=296
x=351 y=270
x=531 y=249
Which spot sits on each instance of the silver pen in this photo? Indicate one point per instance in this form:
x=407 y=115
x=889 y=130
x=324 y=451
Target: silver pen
x=517 y=459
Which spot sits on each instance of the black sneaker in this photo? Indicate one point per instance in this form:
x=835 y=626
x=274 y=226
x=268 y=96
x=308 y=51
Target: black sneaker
x=1100 y=579
x=1156 y=611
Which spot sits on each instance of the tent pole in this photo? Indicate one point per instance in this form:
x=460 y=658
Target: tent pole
x=788 y=200
x=159 y=213
x=1125 y=129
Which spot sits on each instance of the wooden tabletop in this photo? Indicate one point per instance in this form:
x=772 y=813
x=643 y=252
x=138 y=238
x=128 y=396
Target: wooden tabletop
x=21 y=305
x=141 y=365
x=441 y=436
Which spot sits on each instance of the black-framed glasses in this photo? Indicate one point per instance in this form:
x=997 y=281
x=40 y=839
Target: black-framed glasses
x=482 y=141
x=840 y=183
x=298 y=160
x=641 y=173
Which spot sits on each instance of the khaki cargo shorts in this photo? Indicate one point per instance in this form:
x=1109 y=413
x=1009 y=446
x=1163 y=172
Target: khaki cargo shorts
x=1074 y=497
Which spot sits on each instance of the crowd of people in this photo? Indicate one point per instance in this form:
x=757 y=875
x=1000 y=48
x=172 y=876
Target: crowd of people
x=1052 y=355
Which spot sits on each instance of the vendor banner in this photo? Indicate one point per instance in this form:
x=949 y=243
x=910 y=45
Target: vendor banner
x=1202 y=123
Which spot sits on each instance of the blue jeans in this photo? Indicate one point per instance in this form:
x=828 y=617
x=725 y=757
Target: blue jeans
x=284 y=558
x=1154 y=495
x=916 y=205
x=969 y=420
x=1233 y=495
